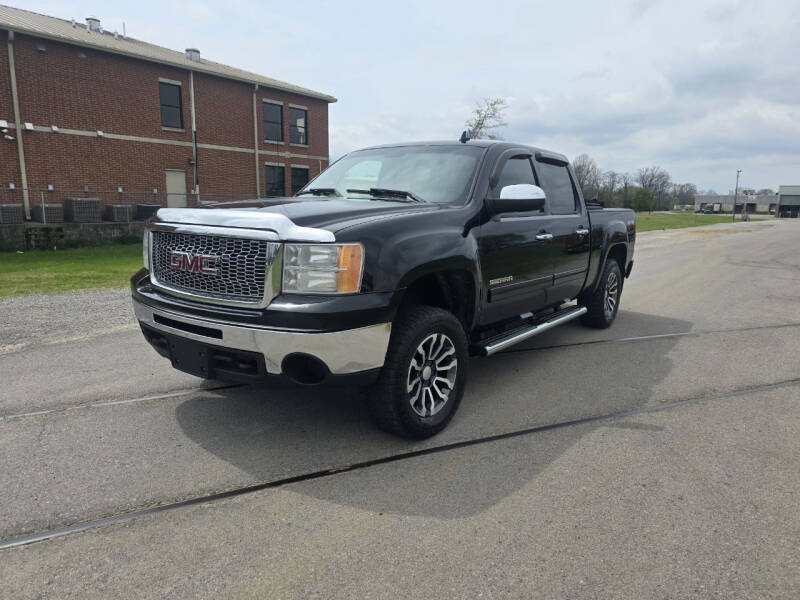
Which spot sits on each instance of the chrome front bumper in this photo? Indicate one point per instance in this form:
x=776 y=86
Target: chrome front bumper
x=344 y=352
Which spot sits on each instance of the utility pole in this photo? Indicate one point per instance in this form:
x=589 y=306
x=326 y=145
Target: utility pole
x=735 y=196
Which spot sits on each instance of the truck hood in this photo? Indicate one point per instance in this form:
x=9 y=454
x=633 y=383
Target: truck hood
x=332 y=214
x=291 y=218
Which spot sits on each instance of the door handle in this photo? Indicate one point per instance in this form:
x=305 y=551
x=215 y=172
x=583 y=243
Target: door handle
x=582 y=231
x=544 y=236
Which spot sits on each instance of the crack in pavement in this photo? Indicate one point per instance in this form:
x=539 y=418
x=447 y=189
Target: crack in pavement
x=655 y=336
x=124 y=517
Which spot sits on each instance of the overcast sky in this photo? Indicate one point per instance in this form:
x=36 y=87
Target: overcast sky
x=699 y=88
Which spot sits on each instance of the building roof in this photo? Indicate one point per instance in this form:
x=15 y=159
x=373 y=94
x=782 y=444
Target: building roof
x=789 y=190
x=71 y=32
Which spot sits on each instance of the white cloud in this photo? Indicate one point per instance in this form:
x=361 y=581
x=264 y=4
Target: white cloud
x=699 y=88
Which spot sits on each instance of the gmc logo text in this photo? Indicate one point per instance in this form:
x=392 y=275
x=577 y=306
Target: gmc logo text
x=193 y=263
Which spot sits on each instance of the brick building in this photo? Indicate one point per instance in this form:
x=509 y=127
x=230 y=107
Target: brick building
x=90 y=110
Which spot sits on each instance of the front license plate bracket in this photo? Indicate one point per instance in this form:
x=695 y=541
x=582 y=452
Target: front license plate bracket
x=189 y=356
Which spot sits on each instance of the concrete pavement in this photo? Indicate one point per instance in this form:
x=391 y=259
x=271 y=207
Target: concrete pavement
x=698 y=500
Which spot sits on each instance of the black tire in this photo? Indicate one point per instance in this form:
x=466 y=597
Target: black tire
x=600 y=313
x=389 y=400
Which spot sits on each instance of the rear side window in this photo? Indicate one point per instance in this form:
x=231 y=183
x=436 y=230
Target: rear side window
x=557 y=184
x=516 y=170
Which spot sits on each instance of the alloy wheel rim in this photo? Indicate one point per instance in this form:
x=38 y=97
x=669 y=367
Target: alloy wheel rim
x=612 y=290
x=432 y=375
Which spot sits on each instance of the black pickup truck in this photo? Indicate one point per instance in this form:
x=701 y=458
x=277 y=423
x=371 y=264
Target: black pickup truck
x=388 y=270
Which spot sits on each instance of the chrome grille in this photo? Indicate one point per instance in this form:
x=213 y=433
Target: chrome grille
x=241 y=265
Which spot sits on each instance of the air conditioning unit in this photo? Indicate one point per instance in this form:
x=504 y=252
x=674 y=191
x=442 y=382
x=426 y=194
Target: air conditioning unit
x=118 y=213
x=11 y=213
x=145 y=211
x=49 y=213
x=82 y=210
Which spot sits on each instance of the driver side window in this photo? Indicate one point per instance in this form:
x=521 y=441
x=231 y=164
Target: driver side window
x=516 y=170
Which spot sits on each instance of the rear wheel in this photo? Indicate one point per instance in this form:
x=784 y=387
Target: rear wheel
x=602 y=305
x=423 y=377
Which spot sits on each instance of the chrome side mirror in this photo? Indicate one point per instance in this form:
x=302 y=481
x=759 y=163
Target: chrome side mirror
x=522 y=191
x=520 y=197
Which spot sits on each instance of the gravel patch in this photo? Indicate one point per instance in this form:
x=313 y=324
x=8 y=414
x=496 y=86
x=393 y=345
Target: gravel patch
x=41 y=319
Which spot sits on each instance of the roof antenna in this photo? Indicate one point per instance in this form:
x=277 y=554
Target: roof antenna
x=464 y=137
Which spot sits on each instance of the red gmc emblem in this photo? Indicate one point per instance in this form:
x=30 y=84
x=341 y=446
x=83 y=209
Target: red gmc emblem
x=193 y=263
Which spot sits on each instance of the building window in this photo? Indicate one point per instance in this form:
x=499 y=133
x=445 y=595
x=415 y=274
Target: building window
x=276 y=180
x=171 y=107
x=299 y=178
x=273 y=122
x=298 y=127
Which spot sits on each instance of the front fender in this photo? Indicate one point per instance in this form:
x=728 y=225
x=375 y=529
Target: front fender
x=416 y=259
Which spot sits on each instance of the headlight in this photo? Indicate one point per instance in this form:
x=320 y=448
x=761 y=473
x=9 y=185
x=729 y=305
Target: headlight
x=146 y=249
x=322 y=268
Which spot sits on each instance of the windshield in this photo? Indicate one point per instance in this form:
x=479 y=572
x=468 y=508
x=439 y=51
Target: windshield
x=440 y=174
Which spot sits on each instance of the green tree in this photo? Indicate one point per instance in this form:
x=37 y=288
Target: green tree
x=642 y=199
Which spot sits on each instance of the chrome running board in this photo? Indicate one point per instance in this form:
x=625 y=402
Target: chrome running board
x=509 y=338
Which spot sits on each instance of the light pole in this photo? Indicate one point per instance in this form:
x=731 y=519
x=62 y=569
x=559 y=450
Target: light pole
x=735 y=196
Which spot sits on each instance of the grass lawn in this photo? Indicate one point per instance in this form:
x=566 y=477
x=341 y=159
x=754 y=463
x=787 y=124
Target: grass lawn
x=111 y=265
x=51 y=271
x=652 y=221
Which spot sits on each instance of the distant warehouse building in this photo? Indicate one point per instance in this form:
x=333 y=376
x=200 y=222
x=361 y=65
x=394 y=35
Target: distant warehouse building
x=755 y=204
x=788 y=201
x=87 y=111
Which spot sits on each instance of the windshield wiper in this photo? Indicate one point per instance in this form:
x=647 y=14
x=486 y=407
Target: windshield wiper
x=384 y=194
x=321 y=192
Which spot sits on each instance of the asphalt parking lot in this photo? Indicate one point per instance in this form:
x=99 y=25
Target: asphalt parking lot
x=655 y=459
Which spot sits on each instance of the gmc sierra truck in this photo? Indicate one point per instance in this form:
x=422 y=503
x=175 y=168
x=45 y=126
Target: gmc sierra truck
x=389 y=270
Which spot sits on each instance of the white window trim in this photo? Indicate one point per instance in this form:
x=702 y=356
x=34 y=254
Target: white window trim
x=173 y=129
x=272 y=164
x=306 y=167
x=301 y=107
x=171 y=81
x=268 y=101
x=298 y=145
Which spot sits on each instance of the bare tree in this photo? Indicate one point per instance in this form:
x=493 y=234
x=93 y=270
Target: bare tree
x=684 y=193
x=487 y=118
x=765 y=192
x=657 y=181
x=608 y=187
x=588 y=175
x=625 y=180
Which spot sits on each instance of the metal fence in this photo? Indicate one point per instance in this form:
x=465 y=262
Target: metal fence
x=39 y=196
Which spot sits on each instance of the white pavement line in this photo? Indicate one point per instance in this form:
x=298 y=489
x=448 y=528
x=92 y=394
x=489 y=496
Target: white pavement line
x=655 y=336
x=702 y=332
x=15 y=348
x=114 y=402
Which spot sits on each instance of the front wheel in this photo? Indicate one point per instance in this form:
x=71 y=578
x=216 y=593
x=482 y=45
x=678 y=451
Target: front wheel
x=602 y=304
x=423 y=377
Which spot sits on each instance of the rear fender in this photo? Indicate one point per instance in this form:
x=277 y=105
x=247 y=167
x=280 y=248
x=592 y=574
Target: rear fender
x=615 y=234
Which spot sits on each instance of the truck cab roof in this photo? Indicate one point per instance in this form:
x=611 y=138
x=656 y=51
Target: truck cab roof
x=501 y=144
